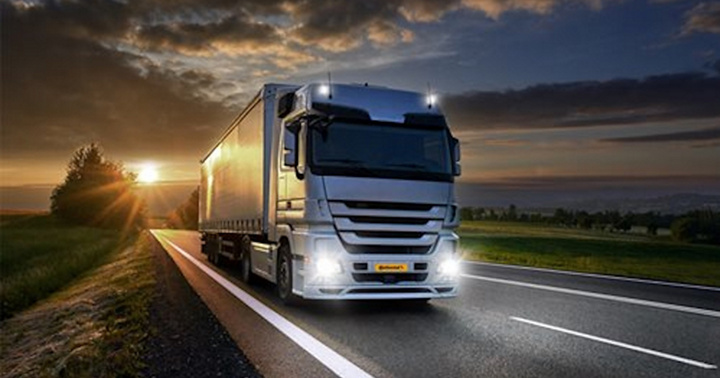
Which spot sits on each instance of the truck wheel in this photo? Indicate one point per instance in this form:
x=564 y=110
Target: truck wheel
x=284 y=276
x=246 y=274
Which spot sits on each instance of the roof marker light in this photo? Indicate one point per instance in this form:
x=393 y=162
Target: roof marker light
x=431 y=100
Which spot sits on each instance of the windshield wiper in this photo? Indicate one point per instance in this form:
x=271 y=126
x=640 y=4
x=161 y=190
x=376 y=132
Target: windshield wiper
x=342 y=160
x=351 y=163
x=408 y=165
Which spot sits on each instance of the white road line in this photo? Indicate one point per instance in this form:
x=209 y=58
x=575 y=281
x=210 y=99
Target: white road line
x=602 y=276
x=642 y=302
x=618 y=344
x=328 y=357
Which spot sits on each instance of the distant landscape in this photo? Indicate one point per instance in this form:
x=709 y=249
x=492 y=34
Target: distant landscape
x=163 y=198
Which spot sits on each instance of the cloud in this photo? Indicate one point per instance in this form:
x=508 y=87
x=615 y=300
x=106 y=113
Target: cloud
x=683 y=136
x=339 y=26
x=60 y=89
x=495 y=8
x=703 y=18
x=232 y=35
x=153 y=77
x=584 y=104
x=252 y=35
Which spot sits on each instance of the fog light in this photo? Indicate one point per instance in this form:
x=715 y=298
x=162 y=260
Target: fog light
x=449 y=268
x=326 y=267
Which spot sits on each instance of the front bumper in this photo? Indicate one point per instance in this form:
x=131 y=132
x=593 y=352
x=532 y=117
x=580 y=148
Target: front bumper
x=359 y=279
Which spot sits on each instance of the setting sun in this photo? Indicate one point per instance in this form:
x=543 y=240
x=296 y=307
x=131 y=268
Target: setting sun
x=148 y=174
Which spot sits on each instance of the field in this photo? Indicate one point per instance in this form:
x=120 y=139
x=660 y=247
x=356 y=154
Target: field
x=590 y=251
x=40 y=255
x=92 y=327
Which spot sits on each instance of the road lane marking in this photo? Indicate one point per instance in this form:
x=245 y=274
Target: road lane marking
x=642 y=302
x=618 y=344
x=602 y=276
x=328 y=357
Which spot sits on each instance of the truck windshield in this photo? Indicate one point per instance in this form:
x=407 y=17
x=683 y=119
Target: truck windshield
x=381 y=150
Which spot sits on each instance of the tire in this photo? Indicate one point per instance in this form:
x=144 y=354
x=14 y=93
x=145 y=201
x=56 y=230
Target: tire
x=210 y=245
x=214 y=253
x=284 y=276
x=246 y=274
x=204 y=244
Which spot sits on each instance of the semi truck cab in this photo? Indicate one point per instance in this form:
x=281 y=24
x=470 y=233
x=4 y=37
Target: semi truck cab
x=357 y=196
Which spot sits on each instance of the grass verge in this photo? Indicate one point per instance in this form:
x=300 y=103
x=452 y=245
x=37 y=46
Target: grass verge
x=590 y=251
x=41 y=255
x=92 y=328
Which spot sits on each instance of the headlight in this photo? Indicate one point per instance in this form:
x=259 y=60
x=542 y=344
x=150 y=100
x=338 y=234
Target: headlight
x=449 y=268
x=326 y=267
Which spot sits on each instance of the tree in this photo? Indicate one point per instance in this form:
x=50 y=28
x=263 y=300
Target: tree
x=97 y=192
x=186 y=215
x=652 y=228
x=624 y=224
x=584 y=220
x=512 y=213
x=684 y=229
x=478 y=213
x=466 y=213
x=561 y=216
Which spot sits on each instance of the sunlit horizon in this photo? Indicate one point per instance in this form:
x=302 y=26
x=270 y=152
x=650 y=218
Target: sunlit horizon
x=148 y=174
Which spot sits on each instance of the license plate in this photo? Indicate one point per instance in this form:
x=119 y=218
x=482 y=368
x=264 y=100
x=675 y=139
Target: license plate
x=391 y=267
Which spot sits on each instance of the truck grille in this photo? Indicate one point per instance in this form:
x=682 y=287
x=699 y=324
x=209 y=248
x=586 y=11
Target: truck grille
x=389 y=278
x=387 y=206
x=386 y=249
x=387 y=227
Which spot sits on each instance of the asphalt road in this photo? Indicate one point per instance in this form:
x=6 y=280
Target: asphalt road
x=506 y=322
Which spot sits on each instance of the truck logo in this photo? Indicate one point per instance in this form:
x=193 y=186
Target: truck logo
x=391 y=267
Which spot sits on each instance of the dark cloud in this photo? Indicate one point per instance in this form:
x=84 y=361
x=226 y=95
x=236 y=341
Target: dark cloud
x=594 y=103
x=336 y=26
x=703 y=18
x=61 y=89
x=715 y=66
x=341 y=26
x=232 y=34
x=683 y=136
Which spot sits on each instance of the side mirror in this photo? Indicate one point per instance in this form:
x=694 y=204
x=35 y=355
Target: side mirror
x=289 y=149
x=301 y=143
x=456 y=157
x=456 y=150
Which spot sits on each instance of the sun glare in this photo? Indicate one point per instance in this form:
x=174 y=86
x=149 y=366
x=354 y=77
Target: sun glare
x=148 y=174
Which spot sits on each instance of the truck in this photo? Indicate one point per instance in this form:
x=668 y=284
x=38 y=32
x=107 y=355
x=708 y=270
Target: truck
x=335 y=191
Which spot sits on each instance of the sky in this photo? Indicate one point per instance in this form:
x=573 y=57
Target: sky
x=546 y=96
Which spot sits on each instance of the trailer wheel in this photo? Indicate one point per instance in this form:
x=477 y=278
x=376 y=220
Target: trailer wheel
x=214 y=255
x=210 y=245
x=284 y=276
x=246 y=274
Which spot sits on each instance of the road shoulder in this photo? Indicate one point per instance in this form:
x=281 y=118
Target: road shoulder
x=186 y=339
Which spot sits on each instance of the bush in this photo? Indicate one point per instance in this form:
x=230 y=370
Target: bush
x=97 y=192
x=697 y=226
x=684 y=229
